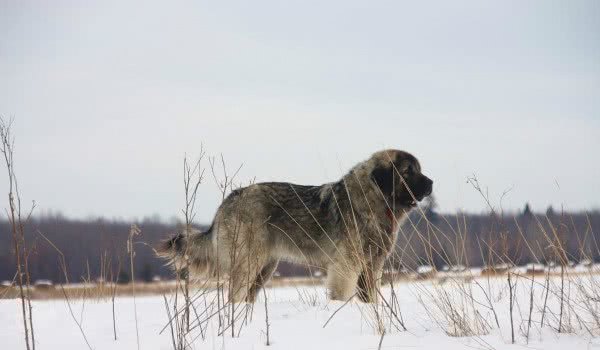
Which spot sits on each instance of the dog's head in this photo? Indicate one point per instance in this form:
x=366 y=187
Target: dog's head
x=398 y=175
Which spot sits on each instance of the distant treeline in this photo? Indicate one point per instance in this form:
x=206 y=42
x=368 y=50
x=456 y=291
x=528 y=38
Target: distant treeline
x=93 y=248
x=429 y=238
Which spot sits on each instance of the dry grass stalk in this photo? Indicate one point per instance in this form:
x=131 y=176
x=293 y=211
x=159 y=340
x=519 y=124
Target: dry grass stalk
x=133 y=232
x=267 y=317
x=63 y=267
x=17 y=224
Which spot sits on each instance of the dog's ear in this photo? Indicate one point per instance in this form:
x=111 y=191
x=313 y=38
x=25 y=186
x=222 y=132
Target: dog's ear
x=383 y=176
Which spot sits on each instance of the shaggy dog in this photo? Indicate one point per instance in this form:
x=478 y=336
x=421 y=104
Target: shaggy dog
x=347 y=227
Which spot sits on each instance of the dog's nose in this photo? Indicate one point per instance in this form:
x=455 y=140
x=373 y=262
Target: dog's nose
x=428 y=186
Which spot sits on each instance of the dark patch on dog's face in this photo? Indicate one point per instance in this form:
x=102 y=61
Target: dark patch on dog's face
x=384 y=178
x=403 y=172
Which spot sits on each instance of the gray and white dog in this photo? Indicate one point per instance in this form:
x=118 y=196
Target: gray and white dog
x=348 y=227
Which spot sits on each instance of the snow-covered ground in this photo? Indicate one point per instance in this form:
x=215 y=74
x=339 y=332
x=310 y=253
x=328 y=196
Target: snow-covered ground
x=443 y=313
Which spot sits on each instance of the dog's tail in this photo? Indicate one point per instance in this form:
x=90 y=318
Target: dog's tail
x=189 y=252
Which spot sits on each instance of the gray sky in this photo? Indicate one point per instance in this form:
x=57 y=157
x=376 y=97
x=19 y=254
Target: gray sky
x=108 y=97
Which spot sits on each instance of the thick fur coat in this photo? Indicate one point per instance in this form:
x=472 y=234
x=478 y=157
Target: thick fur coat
x=348 y=227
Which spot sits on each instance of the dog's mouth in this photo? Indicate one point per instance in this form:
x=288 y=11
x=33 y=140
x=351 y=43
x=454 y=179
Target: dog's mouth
x=413 y=202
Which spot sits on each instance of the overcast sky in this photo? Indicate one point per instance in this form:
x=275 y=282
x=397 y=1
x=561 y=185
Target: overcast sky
x=107 y=97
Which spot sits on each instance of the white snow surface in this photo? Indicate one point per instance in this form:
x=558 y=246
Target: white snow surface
x=297 y=316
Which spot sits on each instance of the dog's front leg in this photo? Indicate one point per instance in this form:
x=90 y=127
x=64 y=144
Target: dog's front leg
x=369 y=279
x=341 y=282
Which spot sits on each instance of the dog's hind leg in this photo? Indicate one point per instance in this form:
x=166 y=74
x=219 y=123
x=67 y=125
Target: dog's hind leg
x=245 y=273
x=239 y=278
x=242 y=279
x=263 y=277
